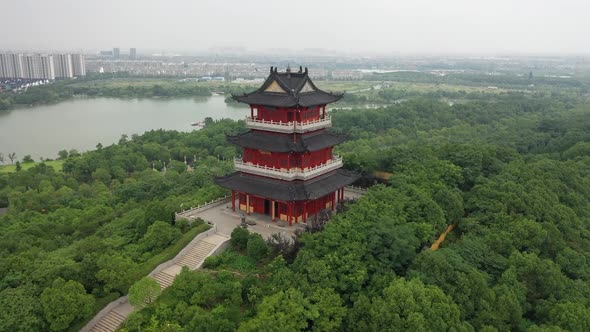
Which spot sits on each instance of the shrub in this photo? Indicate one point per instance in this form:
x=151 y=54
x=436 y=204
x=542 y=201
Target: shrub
x=256 y=247
x=239 y=238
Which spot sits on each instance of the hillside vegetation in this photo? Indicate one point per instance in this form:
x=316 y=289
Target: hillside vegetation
x=511 y=172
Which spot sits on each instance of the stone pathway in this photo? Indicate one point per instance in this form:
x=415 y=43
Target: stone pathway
x=191 y=257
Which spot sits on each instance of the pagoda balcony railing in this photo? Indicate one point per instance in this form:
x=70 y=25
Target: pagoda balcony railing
x=288 y=174
x=289 y=127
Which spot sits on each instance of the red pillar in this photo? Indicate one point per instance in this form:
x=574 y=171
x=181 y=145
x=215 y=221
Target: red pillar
x=333 y=201
x=233 y=201
x=305 y=211
x=247 y=204
x=289 y=213
x=251 y=112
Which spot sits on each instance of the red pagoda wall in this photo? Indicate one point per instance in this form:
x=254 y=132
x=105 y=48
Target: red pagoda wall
x=301 y=210
x=288 y=114
x=286 y=161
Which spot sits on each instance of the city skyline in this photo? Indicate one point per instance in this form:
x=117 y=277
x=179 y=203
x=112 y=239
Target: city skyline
x=376 y=27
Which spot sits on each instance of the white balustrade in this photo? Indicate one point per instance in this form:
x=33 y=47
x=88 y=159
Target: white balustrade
x=289 y=127
x=288 y=174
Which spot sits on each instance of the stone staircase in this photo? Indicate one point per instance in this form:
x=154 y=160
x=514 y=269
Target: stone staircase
x=164 y=279
x=109 y=323
x=193 y=258
x=196 y=256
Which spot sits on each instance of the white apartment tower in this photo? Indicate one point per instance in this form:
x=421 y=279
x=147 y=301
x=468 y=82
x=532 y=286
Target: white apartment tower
x=31 y=66
x=11 y=65
x=42 y=66
x=63 y=66
x=78 y=65
x=47 y=67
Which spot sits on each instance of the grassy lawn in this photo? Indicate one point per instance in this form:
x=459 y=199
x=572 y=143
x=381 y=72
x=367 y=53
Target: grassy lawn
x=56 y=164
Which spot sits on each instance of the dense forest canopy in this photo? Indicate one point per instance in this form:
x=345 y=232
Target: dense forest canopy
x=510 y=170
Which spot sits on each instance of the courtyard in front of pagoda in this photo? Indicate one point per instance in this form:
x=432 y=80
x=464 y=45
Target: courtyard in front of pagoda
x=226 y=220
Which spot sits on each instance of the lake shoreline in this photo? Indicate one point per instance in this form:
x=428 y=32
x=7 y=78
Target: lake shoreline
x=82 y=122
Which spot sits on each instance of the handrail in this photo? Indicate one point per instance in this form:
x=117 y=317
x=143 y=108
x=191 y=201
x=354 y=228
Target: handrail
x=204 y=205
x=289 y=127
x=288 y=174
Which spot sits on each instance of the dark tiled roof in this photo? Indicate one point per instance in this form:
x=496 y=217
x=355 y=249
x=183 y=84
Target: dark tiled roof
x=288 y=89
x=288 y=191
x=284 y=142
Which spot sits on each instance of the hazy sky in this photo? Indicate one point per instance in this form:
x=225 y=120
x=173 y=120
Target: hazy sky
x=361 y=26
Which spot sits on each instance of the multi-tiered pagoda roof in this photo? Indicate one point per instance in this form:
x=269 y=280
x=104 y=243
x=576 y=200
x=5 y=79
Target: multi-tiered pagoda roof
x=288 y=89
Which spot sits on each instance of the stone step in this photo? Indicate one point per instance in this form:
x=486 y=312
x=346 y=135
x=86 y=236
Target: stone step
x=196 y=254
x=109 y=323
x=164 y=279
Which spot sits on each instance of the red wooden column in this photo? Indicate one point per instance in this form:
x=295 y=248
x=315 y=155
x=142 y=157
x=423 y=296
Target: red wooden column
x=233 y=201
x=333 y=201
x=272 y=211
x=289 y=213
x=305 y=211
x=252 y=112
x=247 y=204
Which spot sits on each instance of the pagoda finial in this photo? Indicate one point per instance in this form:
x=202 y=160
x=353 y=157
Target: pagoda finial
x=271 y=69
x=288 y=68
x=300 y=69
x=306 y=70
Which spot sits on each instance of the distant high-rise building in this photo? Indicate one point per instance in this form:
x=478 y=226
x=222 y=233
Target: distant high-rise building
x=38 y=67
x=11 y=65
x=31 y=66
x=63 y=66
x=47 y=67
x=79 y=65
x=132 y=53
x=116 y=53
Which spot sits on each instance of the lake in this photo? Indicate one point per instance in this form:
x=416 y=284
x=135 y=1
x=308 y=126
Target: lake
x=81 y=123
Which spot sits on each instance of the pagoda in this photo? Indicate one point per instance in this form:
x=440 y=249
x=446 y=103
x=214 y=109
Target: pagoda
x=288 y=170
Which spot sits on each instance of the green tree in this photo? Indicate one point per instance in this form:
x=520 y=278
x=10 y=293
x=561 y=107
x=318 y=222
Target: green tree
x=63 y=154
x=21 y=310
x=116 y=272
x=408 y=306
x=145 y=291
x=256 y=247
x=286 y=311
x=571 y=316
x=65 y=302
x=239 y=238
x=159 y=235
